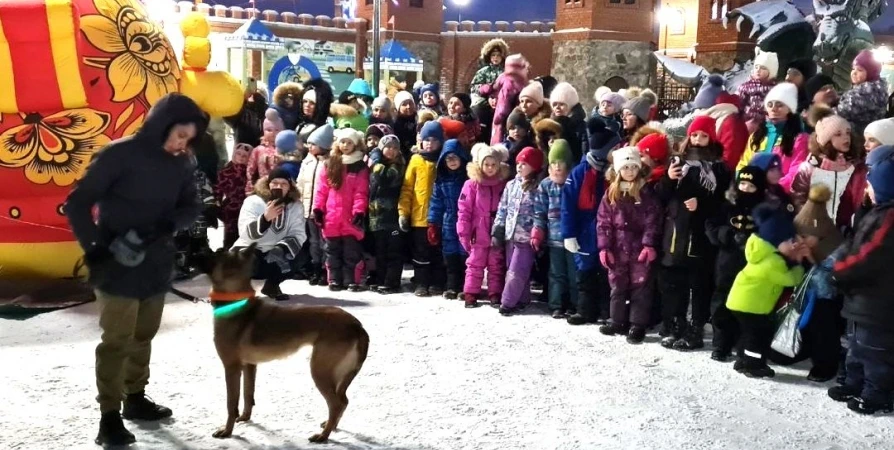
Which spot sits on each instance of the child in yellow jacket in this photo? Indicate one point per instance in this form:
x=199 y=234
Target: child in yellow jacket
x=415 y=194
x=773 y=263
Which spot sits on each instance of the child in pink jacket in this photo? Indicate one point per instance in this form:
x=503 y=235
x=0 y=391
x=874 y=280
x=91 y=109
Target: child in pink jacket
x=339 y=209
x=263 y=158
x=478 y=204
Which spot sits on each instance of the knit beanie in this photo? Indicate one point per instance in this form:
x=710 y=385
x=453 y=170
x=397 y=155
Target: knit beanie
x=881 y=173
x=281 y=174
x=867 y=62
x=706 y=124
x=725 y=98
x=349 y=134
x=533 y=91
x=814 y=220
x=452 y=128
x=402 y=97
x=286 y=142
x=432 y=129
x=564 y=93
x=389 y=140
x=272 y=119
x=815 y=83
x=626 y=156
x=518 y=119
x=639 y=107
x=654 y=145
x=379 y=130
x=601 y=138
x=769 y=60
x=560 y=151
x=310 y=95
x=532 y=157
x=754 y=175
x=787 y=93
x=765 y=161
x=465 y=99
x=617 y=100
x=431 y=88
x=806 y=66
x=322 y=137
x=382 y=102
x=881 y=130
x=710 y=90
x=829 y=127
x=774 y=224
x=480 y=151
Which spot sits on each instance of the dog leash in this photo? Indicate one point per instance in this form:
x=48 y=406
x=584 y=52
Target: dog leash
x=187 y=296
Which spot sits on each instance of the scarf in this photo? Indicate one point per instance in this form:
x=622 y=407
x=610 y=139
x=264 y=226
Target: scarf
x=429 y=156
x=705 y=175
x=774 y=133
x=626 y=186
x=840 y=164
x=355 y=156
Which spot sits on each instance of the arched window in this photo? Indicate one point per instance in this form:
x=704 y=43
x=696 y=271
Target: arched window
x=616 y=83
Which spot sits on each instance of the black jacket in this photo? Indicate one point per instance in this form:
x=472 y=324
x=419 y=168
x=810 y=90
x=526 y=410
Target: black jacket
x=247 y=125
x=485 y=115
x=728 y=230
x=137 y=186
x=863 y=272
x=405 y=130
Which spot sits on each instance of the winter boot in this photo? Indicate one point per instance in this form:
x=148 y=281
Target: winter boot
x=559 y=314
x=843 y=393
x=676 y=331
x=316 y=276
x=435 y=291
x=450 y=294
x=354 y=287
x=613 y=329
x=756 y=368
x=636 y=335
x=507 y=311
x=578 y=319
x=693 y=340
x=821 y=374
x=273 y=291
x=385 y=290
x=334 y=286
x=112 y=431
x=139 y=407
x=494 y=300
x=421 y=291
x=721 y=354
x=867 y=407
x=470 y=300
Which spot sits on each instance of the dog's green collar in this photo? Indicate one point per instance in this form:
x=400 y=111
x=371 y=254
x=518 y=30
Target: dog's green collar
x=231 y=308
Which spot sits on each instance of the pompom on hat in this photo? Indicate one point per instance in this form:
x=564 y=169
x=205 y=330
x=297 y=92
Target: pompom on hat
x=708 y=93
x=814 y=220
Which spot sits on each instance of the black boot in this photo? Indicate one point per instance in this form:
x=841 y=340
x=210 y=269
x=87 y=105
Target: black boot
x=820 y=374
x=721 y=354
x=139 y=407
x=693 y=340
x=843 y=393
x=271 y=289
x=613 y=329
x=636 y=335
x=867 y=407
x=112 y=431
x=676 y=329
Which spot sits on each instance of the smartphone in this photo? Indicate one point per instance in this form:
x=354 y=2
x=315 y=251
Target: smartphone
x=676 y=161
x=277 y=195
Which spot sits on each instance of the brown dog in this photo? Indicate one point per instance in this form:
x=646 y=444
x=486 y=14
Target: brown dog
x=249 y=331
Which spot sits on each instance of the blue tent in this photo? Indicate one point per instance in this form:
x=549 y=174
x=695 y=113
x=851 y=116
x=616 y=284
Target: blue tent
x=254 y=35
x=394 y=56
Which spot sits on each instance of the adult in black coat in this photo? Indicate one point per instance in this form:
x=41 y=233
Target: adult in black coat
x=247 y=123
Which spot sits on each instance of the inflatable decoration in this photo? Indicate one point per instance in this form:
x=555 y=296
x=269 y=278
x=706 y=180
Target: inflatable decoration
x=74 y=75
x=216 y=92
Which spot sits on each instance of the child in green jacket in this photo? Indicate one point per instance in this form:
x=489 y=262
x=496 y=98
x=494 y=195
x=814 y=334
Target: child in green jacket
x=773 y=259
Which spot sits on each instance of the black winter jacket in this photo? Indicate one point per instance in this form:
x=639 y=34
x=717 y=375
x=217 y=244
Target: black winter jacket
x=728 y=231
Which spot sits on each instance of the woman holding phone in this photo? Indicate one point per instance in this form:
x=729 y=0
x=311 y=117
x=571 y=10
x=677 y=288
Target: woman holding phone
x=273 y=218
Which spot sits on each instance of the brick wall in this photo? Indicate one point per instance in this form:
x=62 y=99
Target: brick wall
x=607 y=20
x=713 y=37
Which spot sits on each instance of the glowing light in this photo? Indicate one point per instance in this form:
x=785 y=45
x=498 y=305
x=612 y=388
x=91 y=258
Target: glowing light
x=669 y=16
x=883 y=54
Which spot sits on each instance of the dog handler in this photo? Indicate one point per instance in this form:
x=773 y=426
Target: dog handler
x=144 y=189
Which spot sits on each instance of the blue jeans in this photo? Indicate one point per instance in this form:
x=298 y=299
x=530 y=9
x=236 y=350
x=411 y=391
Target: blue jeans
x=562 y=280
x=870 y=363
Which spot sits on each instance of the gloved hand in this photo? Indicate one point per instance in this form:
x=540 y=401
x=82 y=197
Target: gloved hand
x=498 y=237
x=318 y=218
x=433 y=234
x=96 y=256
x=404 y=223
x=128 y=249
x=357 y=221
x=211 y=215
x=277 y=255
x=647 y=255
x=740 y=239
x=537 y=235
x=466 y=243
x=571 y=245
x=606 y=259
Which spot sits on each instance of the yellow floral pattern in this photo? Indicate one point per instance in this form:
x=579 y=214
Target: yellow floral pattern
x=142 y=60
x=55 y=148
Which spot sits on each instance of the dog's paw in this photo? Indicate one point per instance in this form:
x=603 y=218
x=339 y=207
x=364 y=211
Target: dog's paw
x=223 y=432
x=319 y=438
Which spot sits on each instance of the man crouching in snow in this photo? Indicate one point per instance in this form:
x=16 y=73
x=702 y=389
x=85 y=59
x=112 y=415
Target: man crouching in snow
x=144 y=189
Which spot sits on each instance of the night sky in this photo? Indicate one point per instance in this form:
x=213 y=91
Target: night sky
x=492 y=10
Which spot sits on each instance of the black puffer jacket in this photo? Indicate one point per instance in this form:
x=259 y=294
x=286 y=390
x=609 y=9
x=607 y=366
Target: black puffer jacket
x=728 y=231
x=138 y=186
x=863 y=272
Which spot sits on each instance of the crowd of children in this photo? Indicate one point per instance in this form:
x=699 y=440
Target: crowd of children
x=616 y=222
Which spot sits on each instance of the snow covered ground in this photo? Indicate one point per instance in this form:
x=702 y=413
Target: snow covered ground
x=438 y=376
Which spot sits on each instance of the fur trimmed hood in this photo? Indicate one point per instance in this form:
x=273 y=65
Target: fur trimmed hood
x=492 y=44
x=481 y=151
x=262 y=189
x=286 y=89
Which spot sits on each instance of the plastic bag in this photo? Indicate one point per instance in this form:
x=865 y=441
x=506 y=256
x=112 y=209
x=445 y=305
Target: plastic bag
x=787 y=340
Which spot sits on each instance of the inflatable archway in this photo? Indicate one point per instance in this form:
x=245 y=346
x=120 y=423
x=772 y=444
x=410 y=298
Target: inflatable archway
x=75 y=75
x=291 y=64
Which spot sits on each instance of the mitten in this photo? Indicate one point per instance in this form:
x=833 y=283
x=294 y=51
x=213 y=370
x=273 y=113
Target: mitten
x=404 y=223
x=537 y=236
x=357 y=221
x=740 y=239
x=128 y=249
x=465 y=243
x=606 y=259
x=318 y=218
x=571 y=245
x=647 y=255
x=498 y=238
x=434 y=235
x=211 y=215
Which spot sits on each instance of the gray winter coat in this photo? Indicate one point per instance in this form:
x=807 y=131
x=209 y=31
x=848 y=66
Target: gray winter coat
x=137 y=186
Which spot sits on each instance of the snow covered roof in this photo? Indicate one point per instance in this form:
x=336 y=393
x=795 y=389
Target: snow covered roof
x=254 y=35
x=683 y=72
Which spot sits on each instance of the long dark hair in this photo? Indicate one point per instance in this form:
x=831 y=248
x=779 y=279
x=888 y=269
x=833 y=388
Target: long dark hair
x=790 y=132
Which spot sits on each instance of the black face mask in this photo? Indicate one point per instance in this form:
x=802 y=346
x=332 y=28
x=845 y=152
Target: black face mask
x=748 y=199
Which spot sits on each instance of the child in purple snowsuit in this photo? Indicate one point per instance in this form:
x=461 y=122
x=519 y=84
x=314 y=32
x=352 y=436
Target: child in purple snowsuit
x=478 y=204
x=513 y=228
x=628 y=226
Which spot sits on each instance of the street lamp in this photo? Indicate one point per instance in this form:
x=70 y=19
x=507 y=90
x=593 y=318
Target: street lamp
x=666 y=16
x=461 y=4
x=377 y=24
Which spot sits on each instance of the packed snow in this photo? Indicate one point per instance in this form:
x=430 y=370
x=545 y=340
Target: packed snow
x=438 y=376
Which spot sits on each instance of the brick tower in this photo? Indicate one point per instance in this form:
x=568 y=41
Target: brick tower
x=417 y=25
x=603 y=42
x=717 y=47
